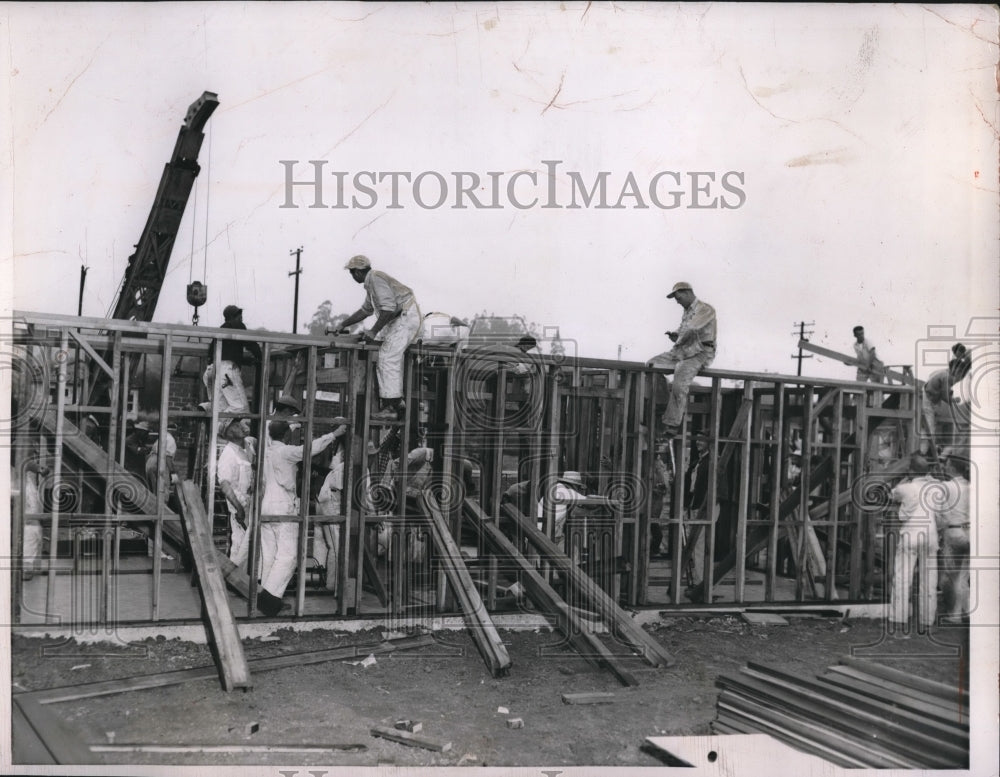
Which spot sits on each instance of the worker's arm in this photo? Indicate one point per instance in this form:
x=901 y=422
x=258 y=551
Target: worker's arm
x=384 y=319
x=230 y=493
x=383 y=299
x=358 y=315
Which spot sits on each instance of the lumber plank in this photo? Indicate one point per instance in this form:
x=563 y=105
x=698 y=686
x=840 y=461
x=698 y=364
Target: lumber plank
x=27 y=747
x=59 y=739
x=178 y=676
x=477 y=618
x=567 y=618
x=907 y=719
x=234 y=749
x=942 y=690
x=865 y=727
x=804 y=734
x=220 y=625
x=411 y=740
x=953 y=713
x=594 y=697
x=585 y=589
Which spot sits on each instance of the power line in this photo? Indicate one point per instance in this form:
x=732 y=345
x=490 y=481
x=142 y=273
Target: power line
x=297 y=272
x=802 y=334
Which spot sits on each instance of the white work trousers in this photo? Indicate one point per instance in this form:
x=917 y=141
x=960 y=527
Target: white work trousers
x=326 y=540
x=279 y=544
x=239 y=548
x=914 y=548
x=955 y=571
x=396 y=337
x=698 y=550
x=232 y=395
x=685 y=371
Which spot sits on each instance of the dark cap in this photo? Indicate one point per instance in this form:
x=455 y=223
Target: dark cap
x=231 y=312
x=679 y=286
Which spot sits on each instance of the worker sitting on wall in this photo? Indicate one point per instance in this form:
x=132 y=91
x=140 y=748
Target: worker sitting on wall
x=694 y=349
x=398 y=322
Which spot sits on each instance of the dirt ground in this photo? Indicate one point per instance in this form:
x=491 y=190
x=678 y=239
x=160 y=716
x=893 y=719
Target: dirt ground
x=448 y=688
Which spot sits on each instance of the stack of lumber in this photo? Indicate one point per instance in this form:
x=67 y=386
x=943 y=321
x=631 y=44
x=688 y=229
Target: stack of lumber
x=857 y=714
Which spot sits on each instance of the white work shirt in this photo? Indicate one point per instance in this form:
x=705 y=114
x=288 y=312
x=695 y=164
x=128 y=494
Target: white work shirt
x=329 y=496
x=236 y=467
x=280 y=462
x=916 y=498
x=385 y=294
x=561 y=498
x=954 y=505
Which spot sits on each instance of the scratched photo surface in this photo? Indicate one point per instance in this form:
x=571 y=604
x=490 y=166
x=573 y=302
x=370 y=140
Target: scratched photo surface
x=801 y=166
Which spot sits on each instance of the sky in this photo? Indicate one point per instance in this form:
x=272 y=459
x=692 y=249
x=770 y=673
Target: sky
x=850 y=153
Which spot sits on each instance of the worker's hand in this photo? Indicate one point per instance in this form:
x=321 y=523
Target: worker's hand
x=367 y=336
x=672 y=336
x=241 y=516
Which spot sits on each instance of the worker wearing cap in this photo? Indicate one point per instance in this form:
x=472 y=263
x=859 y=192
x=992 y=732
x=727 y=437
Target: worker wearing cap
x=232 y=395
x=696 y=502
x=279 y=540
x=694 y=349
x=398 y=321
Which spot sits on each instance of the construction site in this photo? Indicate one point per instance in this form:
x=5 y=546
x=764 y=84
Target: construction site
x=446 y=546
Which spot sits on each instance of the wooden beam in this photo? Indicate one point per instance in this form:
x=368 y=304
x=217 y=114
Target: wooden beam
x=903 y=378
x=943 y=690
x=410 y=740
x=232 y=749
x=59 y=739
x=89 y=349
x=476 y=617
x=586 y=590
x=219 y=622
x=576 y=630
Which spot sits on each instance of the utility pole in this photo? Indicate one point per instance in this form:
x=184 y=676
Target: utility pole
x=83 y=282
x=297 y=253
x=802 y=335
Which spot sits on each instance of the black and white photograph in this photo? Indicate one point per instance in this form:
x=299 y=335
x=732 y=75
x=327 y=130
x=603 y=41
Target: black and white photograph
x=530 y=388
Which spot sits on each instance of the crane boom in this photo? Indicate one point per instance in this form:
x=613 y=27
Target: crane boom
x=147 y=267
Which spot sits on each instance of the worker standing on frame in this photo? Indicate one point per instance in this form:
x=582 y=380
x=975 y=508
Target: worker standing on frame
x=398 y=320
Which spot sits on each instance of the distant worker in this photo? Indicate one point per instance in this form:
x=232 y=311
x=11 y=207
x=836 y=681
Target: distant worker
x=279 y=540
x=568 y=490
x=916 y=546
x=696 y=502
x=442 y=329
x=329 y=501
x=25 y=494
x=694 y=349
x=870 y=367
x=234 y=473
x=937 y=401
x=137 y=446
x=398 y=315
x=954 y=525
x=232 y=395
x=161 y=481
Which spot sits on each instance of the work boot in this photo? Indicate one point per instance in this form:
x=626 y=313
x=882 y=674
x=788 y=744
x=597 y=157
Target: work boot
x=387 y=413
x=268 y=603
